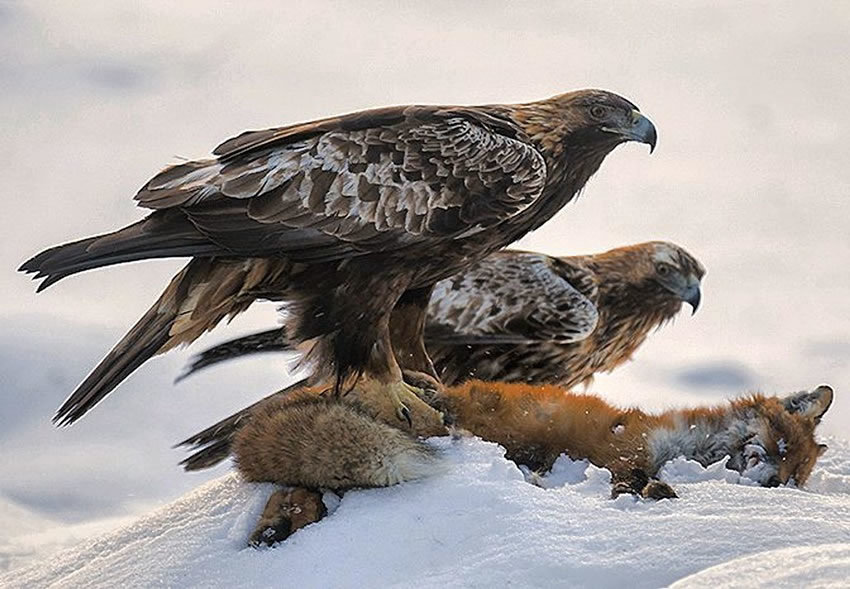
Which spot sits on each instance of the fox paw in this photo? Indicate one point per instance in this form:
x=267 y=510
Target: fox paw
x=271 y=534
x=656 y=490
x=621 y=488
x=286 y=512
x=643 y=486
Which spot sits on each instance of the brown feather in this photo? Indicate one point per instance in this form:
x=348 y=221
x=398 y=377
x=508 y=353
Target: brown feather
x=453 y=184
x=527 y=317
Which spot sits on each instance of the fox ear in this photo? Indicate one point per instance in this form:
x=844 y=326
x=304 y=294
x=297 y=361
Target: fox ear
x=810 y=404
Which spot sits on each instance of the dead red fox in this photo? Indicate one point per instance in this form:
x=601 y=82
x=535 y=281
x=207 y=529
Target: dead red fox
x=306 y=441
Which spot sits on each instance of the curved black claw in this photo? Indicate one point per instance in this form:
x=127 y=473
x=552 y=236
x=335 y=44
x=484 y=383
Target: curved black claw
x=271 y=535
x=404 y=413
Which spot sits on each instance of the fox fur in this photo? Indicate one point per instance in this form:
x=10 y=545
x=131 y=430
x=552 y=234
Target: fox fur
x=310 y=441
x=323 y=442
x=769 y=439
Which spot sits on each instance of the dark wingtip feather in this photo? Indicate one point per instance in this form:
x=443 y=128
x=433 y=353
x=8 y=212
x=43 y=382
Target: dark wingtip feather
x=49 y=281
x=160 y=235
x=37 y=262
x=207 y=457
x=198 y=362
x=48 y=264
x=188 y=370
x=272 y=340
x=141 y=343
x=28 y=267
x=224 y=429
x=212 y=445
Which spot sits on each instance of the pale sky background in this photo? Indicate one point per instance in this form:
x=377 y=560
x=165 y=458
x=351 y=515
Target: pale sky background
x=751 y=174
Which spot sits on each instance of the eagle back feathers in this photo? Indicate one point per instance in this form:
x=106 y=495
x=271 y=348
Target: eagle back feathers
x=338 y=186
x=511 y=297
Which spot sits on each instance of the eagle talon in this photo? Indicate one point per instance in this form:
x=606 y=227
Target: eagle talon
x=398 y=403
x=404 y=413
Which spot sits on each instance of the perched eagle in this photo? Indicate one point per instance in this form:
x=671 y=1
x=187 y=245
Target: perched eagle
x=520 y=317
x=341 y=217
x=527 y=317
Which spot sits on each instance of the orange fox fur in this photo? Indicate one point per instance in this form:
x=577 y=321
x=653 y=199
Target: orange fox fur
x=536 y=424
x=308 y=440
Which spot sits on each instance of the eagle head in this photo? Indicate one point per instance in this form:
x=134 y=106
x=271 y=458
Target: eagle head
x=677 y=271
x=592 y=120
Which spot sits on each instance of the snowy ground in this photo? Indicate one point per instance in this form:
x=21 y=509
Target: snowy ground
x=481 y=525
x=29 y=536
x=751 y=175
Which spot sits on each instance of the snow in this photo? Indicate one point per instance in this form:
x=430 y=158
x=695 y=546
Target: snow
x=29 y=536
x=825 y=565
x=750 y=175
x=480 y=524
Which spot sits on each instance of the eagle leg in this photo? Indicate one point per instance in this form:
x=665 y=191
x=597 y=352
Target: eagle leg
x=407 y=326
x=427 y=388
x=367 y=367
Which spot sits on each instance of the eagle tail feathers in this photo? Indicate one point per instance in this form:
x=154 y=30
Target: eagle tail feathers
x=157 y=236
x=213 y=444
x=273 y=340
x=142 y=342
x=202 y=294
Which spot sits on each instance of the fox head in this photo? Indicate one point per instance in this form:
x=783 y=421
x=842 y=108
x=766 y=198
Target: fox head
x=778 y=444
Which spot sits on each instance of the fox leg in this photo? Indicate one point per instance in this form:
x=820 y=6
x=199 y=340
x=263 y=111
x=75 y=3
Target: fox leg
x=656 y=490
x=638 y=482
x=287 y=511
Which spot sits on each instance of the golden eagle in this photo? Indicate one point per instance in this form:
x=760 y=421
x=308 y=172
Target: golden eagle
x=519 y=316
x=339 y=218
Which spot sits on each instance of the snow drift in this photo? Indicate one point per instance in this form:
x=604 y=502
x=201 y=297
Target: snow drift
x=809 y=566
x=479 y=524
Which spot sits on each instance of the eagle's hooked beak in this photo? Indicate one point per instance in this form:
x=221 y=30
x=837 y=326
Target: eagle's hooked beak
x=639 y=129
x=692 y=296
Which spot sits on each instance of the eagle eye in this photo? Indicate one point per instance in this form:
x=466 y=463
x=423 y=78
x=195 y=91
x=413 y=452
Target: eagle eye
x=598 y=111
x=663 y=269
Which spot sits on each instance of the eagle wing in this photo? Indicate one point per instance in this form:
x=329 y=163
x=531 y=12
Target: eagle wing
x=513 y=298
x=357 y=184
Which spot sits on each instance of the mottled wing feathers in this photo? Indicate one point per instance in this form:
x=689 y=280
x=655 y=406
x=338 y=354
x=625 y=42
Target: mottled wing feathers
x=510 y=298
x=575 y=272
x=335 y=187
x=267 y=138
